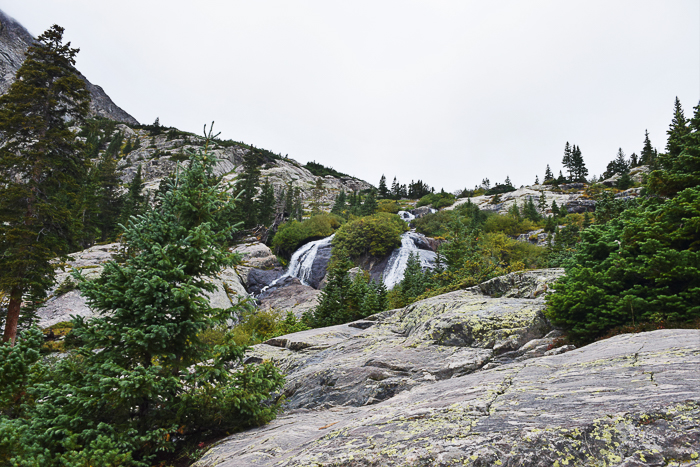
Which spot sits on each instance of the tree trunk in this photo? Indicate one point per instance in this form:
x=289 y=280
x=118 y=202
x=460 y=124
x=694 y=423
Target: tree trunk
x=12 y=315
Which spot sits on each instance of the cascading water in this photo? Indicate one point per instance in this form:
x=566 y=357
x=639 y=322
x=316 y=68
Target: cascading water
x=406 y=216
x=393 y=274
x=301 y=264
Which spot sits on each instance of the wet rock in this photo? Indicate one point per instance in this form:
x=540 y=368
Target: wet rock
x=421 y=211
x=580 y=206
x=257 y=279
x=289 y=294
x=630 y=400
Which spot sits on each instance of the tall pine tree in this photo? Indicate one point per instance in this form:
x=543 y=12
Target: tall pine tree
x=40 y=166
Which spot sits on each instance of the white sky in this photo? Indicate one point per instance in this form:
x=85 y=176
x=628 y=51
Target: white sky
x=448 y=92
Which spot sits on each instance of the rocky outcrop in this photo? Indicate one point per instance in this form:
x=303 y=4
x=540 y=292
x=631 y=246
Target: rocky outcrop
x=289 y=294
x=637 y=175
x=65 y=301
x=434 y=339
x=14 y=42
x=257 y=255
x=522 y=195
x=631 y=400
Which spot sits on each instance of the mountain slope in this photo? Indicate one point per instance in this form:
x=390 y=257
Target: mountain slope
x=14 y=42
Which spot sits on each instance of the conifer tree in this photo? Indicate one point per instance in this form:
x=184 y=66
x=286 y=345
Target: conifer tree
x=339 y=205
x=133 y=201
x=369 y=206
x=266 y=203
x=648 y=154
x=548 y=174
x=537 y=180
x=110 y=202
x=40 y=166
x=247 y=188
x=567 y=160
x=383 y=190
x=580 y=172
x=677 y=130
x=508 y=182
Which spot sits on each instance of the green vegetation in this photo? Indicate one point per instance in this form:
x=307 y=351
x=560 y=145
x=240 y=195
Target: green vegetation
x=437 y=200
x=375 y=235
x=640 y=262
x=143 y=385
x=41 y=166
x=321 y=170
x=293 y=234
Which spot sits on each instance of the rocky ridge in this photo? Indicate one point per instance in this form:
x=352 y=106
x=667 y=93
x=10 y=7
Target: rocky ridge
x=14 y=42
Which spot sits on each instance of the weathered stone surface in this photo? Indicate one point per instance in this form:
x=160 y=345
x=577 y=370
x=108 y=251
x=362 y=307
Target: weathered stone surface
x=519 y=197
x=434 y=339
x=631 y=400
x=290 y=295
x=63 y=302
x=255 y=280
x=257 y=255
x=579 y=206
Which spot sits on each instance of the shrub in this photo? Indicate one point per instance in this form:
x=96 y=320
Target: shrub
x=437 y=200
x=376 y=235
x=256 y=326
x=643 y=266
x=388 y=205
x=291 y=235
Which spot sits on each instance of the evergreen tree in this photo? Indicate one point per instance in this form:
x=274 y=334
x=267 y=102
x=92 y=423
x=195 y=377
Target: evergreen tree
x=41 y=164
x=508 y=182
x=395 y=189
x=110 y=201
x=677 y=131
x=145 y=383
x=266 y=203
x=383 y=190
x=634 y=160
x=537 y=180
x=679 y=172
x=247 y=189
x=339 y=205
x=134 y=202
x=369 y=206
x=648 y=154
x=580 y=172
x=555 y=209
x=530 y=211
x=542 y=204
x=548 y=174
x=618 y=166
x=561 y=179
x=333 y=307
x=567 y=161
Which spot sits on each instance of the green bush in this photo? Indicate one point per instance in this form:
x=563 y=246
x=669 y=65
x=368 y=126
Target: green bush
x=508 y=224
x=293 y=234
x=376 y=235
x=643 y=266
x=256 y=326
x=388 y=205
x=437 y=200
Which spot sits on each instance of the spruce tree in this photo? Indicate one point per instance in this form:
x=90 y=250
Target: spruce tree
x=383 y=190
x=677 y=130
x=648 y=155
x=144 y=382
x=266 y=203
x=41 y=165
x=247 y=188
x=133 y=201
x=369 y=206
x=580 y=172
x=339 y=205
x=567 y=161
x=110 y=202
x=548 y=174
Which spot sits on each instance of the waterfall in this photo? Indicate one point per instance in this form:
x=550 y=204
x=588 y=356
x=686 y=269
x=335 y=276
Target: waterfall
x=406 y=216
x=301 y=264
x=393 y=274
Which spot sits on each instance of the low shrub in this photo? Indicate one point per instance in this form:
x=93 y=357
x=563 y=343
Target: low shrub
x=376 y=235
x=293 y=234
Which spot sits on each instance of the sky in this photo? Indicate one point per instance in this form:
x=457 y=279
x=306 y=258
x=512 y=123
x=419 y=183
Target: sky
x=448 y=92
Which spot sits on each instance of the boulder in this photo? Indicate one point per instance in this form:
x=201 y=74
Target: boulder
x=257 y=255
x=289 y=294
x=255 y=280
x=580 y=206
x=631 y=400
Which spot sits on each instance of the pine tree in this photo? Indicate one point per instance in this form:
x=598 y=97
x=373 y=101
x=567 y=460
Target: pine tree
x=634 y=160
x=537 y=180
x=580 y=172
x=133 y=201
x=677 y=130
x=247 y=188
x=110 y=202
x=548 y=174
x=395 y=188
x=648 y=155
x=40 y=166
x=618 y=166
x=266 y=203
x=339 y=206
x=369 y=206
x=333 y=302
x=383 y=190
x=144 y=376
x=508 y=182
x=542 y=204
x=567 y=161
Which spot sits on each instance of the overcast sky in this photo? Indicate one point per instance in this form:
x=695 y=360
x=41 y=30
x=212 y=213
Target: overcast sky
x=448 y=92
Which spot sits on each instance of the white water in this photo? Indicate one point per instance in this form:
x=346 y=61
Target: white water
x=395 y=268
x=301 y=262
x=406 y=216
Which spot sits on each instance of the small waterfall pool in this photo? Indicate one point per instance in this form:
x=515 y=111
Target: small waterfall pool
x=395 y=268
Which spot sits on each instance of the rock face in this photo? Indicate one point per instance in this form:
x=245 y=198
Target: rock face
x=290 y=295
x=631 y=400
x=257 y=255
x=65 y=301
x=14 y=42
